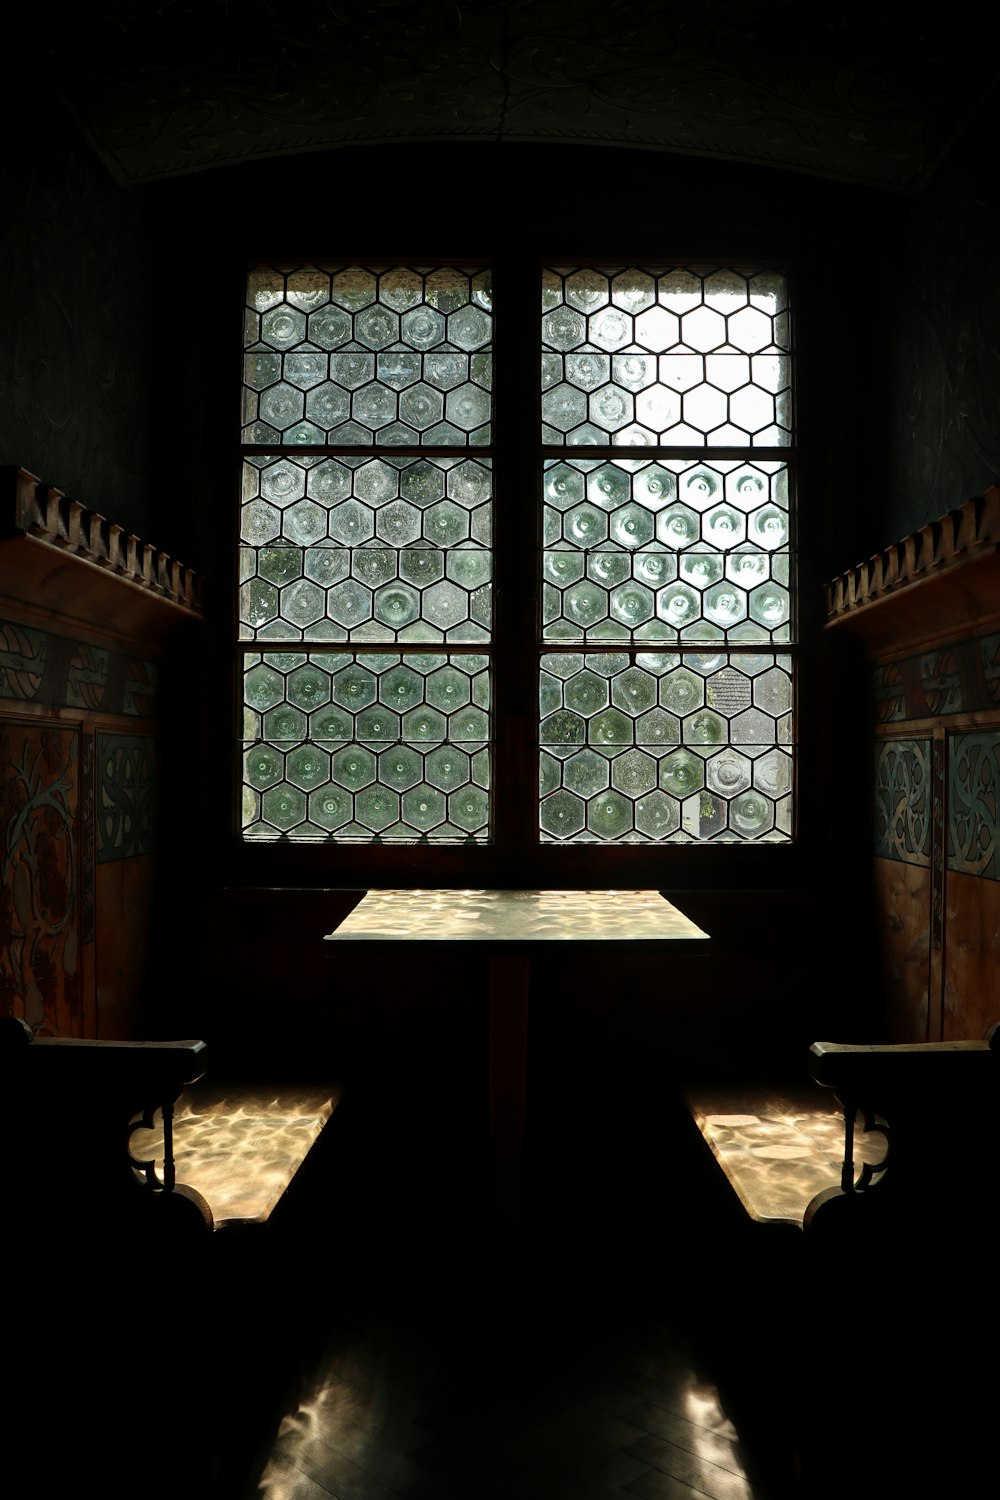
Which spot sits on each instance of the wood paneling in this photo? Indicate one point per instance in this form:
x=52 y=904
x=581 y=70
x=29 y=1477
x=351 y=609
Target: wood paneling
x=972 y=957
x=124 y=905
x=87 y=617
x=903 y=897
x=40 y=928
x=926 y=612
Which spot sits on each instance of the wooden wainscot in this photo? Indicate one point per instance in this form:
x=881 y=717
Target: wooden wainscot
x=925 y=614
x=94 y=625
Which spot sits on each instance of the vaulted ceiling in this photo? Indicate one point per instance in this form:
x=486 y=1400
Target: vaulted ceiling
x=867 y=93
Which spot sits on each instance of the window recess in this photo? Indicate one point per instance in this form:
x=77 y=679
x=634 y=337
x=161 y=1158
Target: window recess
x=557 y=612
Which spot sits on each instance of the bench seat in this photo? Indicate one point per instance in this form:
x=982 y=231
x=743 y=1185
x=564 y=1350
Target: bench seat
x=846 y=1239
x=155 y=1261
x=778 y=1147
x=239 y=1146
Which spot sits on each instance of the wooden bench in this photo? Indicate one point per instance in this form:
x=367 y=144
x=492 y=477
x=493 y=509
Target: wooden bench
x=156 y=1238
x=848 y=1271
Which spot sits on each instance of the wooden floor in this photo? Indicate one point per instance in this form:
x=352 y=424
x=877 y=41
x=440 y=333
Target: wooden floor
x=416 y=1388
x=409 y=1386
x=403 y=1403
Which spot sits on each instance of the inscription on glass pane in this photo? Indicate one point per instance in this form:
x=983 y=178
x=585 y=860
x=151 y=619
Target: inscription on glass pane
x=668 y=550
x=674 y=357
x=342 y=355
x=366 y=549
x=350 y=747
x=664 y=746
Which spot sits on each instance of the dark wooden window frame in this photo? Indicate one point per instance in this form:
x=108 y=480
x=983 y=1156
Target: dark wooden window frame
x=515 y=858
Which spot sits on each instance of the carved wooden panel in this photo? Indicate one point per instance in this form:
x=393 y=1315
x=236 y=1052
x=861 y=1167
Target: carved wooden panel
x=935 y=711
x=124 y=796
x=40 y=927
x=87 y=615
x=962 y=677
x=42 y=666
x=903 y=806
x=974 y=803
x=937 y=845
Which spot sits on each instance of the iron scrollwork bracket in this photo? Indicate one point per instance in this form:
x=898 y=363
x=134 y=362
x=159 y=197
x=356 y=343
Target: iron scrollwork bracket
x=145 y=1168
x=871 y=1172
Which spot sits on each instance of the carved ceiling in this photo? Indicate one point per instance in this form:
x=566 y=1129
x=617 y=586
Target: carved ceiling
x=857 y=92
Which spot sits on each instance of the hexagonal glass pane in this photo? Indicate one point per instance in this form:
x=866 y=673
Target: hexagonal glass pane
x=398 y=523
x=587 y=371
x=564 y=407
x=374 y=404
x=421 y=406
x=425 y=807
x=562 y=815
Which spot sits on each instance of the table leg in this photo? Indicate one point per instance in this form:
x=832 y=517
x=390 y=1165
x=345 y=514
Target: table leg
x=508 y=1071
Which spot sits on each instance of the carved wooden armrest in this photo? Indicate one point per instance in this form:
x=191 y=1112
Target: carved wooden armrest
x=70 y=1111
x=934 y=1104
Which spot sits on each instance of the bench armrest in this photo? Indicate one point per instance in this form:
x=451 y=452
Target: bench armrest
x=69 y=1110
x=934 y=1104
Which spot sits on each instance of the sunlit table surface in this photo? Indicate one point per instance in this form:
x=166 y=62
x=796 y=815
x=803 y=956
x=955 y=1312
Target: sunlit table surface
x=506 y=917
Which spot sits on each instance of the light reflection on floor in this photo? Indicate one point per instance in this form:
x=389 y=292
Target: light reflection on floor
x=400 y=1414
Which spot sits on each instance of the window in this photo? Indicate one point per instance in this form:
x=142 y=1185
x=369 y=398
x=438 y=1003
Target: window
x=512 y=612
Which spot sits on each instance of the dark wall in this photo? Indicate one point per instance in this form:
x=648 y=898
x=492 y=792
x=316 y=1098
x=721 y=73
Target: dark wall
x=119 y=312
x=108 y=294
x=944 y=374
x=77 y=386
x=474 y=200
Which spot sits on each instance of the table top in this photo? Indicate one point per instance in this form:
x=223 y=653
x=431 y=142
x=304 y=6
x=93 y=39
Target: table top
x=393 y=916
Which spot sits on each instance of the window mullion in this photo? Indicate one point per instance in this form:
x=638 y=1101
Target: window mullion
x=516 y=555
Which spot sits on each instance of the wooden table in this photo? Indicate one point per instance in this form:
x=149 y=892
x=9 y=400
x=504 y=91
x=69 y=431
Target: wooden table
x=510 y=926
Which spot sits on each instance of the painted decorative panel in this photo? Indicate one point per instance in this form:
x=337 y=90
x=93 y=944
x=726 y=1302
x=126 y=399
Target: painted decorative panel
x=40 y=976
x=963 y=677
x=903 y=801
x=22 y=660
x=39 y=666
x=88 y=835
x=941 y=681
x=989 y=650
x=889 y=694
x=973 y=796
x=124 y=796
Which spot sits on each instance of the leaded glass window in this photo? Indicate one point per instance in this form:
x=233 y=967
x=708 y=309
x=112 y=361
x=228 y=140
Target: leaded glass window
x=365 y=600
x=664 y=710
x=392 y=692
